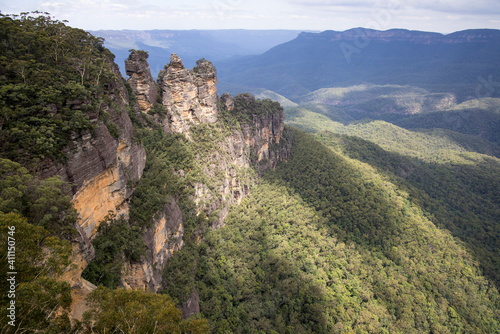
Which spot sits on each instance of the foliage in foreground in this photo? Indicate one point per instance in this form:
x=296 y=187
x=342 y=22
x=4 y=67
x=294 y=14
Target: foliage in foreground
x=136 y=311
x=41 y=301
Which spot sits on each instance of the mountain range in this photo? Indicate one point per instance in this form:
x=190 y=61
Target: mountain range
x=191 y=45
x=464 y=63
x=368 y=204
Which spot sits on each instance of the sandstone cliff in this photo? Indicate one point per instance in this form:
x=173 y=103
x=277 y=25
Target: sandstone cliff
x=141 y=80
x=227 y=157
x=190 y=97
x=102 y=169
x=234 y=140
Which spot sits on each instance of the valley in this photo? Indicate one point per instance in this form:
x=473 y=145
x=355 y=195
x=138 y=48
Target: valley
x=319 y=187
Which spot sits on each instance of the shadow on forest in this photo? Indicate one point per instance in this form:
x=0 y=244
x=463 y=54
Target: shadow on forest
x=462 y=198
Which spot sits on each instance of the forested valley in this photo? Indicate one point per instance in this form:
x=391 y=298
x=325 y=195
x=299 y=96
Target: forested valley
x=354 y=227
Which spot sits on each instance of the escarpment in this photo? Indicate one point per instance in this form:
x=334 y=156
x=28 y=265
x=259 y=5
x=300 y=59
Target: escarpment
x=234 y=140
x=102 y=168
x=231 y=140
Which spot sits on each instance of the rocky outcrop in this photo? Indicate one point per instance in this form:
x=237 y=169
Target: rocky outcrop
x=192 y=305
x=190 y=97
x=141 y=80
x=102 y=169
x=162 y=239
x=80 y=288
x=262 y=131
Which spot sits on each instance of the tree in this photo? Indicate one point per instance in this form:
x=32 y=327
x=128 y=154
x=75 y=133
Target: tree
x=41 y=300
x=42 y=202
x=136 y=311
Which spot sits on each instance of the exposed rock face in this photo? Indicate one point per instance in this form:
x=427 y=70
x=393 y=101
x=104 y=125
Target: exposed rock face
x=263 y=132
x=102 y=169
x=162 y=239
x=192 y=306
x=228 y=101
x=80 y=288
x=190 y=97
x=141 y=80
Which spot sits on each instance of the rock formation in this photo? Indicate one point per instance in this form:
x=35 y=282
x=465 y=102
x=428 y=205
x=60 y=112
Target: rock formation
x=141 y=80
x=190 y=97
x=101 y=169
x=263 y=133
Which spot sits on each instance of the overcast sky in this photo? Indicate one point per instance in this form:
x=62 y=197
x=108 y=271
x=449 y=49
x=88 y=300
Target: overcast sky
x=443 y=16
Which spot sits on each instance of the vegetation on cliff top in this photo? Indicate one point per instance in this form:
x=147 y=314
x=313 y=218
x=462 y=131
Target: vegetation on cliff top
x=345 y=237
x=54 y=80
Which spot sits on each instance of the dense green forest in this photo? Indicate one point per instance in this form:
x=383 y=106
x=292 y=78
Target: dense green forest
x=367 y=228
x=53 y=77
x=452 y=176
x=327 y=244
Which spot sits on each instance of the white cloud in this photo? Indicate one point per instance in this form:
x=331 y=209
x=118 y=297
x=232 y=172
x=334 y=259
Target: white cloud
x=432 y=15
x=477 y=7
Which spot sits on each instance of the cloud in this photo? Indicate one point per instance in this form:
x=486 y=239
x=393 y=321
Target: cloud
x=477 y=7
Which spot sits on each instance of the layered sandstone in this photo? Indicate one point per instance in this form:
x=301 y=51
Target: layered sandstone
x=102 y=170
x=262 y=131
x=161 y=239
x=190 y=97
x=141 y=80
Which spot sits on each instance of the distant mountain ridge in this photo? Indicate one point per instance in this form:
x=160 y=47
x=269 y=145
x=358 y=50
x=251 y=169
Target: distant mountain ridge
x=453 y=63
x=191 y=45
x=414 y=36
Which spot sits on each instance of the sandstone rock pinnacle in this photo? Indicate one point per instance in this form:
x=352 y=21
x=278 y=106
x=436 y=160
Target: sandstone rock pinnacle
x=190 y=97
x=141 y=80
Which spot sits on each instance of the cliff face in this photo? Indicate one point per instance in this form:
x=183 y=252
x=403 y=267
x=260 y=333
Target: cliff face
x=101 y=167
x=263 y=132
x=141 y=80
x=190 y=97
x=194 y=110
x=102 y=170
x=161 y=239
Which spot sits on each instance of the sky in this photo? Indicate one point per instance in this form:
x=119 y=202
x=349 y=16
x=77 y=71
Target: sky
x=444 y=16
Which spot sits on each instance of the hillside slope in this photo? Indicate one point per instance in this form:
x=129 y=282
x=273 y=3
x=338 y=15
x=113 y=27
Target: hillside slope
x=142 y=206
x=327 y=244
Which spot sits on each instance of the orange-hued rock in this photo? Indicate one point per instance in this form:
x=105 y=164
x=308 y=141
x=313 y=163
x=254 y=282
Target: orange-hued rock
x=102 y=170
x=80 y=288
x=98 y=196
x=162 y=239
x=190 y=97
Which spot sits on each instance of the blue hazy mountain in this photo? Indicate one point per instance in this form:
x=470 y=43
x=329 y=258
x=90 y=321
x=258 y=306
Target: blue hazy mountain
x=460 y=62
x=191 y=45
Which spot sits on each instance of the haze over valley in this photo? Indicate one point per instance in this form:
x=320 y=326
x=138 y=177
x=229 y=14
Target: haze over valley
x=167 y=171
